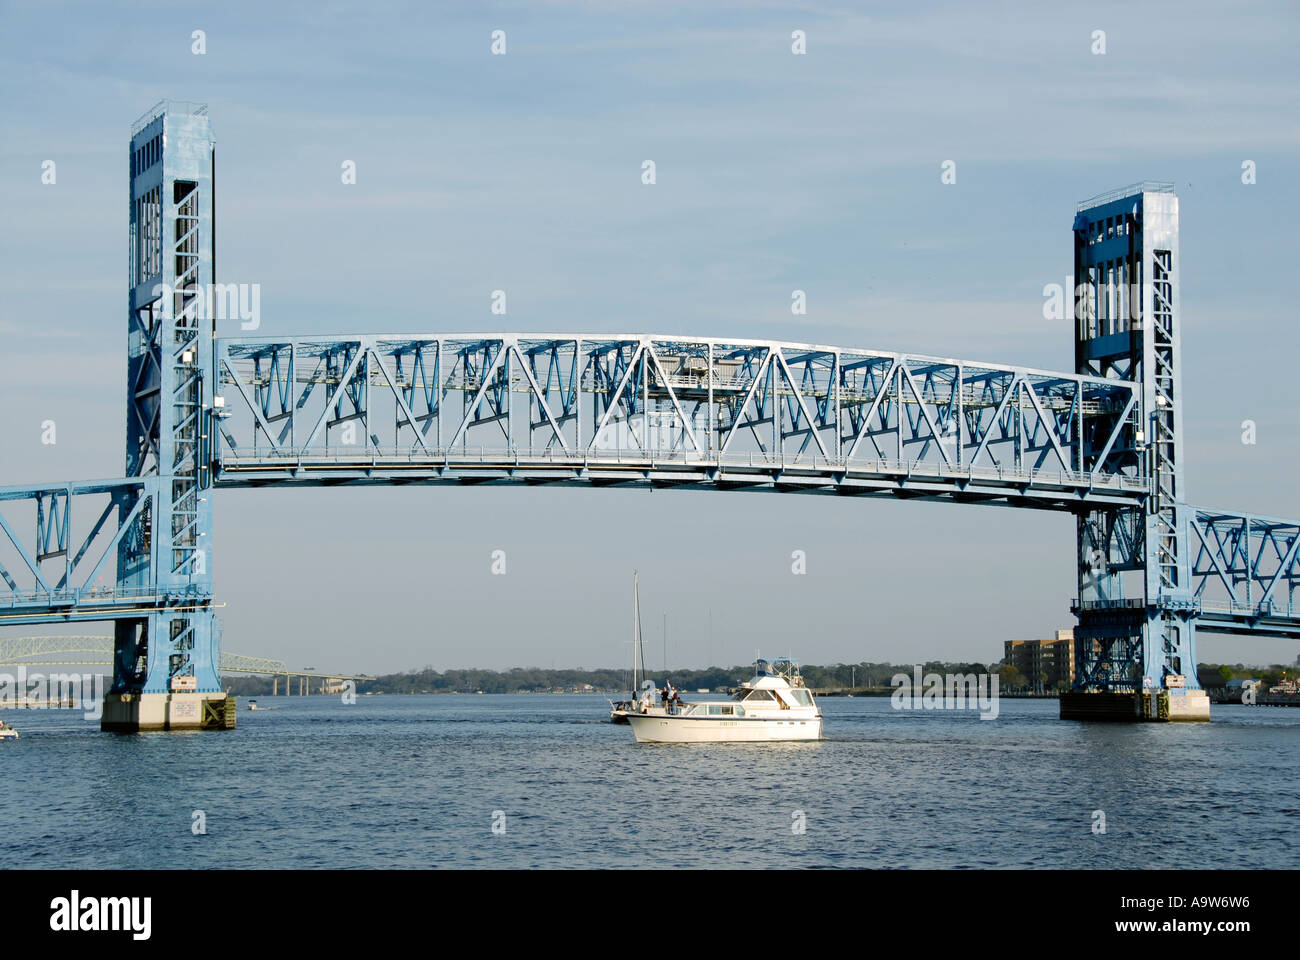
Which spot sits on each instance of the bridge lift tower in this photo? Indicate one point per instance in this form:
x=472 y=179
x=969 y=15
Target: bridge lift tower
x=1139 y=649
x=165 y=658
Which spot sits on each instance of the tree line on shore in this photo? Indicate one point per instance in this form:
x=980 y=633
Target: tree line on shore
x=862 y=676
x=865 y=676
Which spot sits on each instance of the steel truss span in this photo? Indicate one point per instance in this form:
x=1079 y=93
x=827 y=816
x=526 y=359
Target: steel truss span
x=669 y=411
x=84 y=551
x=1245 y=570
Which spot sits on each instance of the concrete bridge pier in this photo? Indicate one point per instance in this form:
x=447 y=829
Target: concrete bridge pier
x=1160 y=706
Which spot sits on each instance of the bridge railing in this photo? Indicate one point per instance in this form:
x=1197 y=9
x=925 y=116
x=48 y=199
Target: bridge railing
x=1121 y=604
x=464 y=461
x=1215 y=613
x=1284 y=609
x=88 y=598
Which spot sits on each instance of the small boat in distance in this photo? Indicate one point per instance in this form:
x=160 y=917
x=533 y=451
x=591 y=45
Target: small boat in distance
x=773 y=706
x=252 y=704
x=7 y=732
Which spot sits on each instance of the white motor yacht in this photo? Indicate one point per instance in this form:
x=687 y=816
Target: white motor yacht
x=7 y=732
x=773 y=706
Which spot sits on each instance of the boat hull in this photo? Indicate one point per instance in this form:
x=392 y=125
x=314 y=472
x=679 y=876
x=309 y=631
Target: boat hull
x=658 y=728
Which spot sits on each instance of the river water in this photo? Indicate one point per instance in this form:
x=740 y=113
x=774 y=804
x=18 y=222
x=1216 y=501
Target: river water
x=547 y=781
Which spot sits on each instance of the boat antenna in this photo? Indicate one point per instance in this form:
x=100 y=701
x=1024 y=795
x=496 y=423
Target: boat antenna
x=636 y=628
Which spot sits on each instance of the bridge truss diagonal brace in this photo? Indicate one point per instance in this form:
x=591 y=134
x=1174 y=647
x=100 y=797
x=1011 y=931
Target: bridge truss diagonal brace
x=97 y=515
x=1238 y=567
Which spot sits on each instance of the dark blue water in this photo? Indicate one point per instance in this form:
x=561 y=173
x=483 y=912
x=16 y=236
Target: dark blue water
x=415 y=782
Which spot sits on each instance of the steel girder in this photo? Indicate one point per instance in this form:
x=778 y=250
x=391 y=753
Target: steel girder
x=1245 y=571
x=94 y=554
x=674 y=411
x=83 y=551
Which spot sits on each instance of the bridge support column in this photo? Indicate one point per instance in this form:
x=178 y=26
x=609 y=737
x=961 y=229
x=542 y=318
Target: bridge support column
x=165 y=676
x=1132 y=662
x=1153 y=705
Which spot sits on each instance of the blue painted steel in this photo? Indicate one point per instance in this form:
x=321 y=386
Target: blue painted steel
x=169 y=393
x=1103 y=442
x=1244 y=572
x=68 y=570
x=673 y=411
x=1136 y=608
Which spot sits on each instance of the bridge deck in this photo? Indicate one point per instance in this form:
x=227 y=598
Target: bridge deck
x=1044 y=489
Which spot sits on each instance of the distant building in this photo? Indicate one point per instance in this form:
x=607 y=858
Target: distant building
x=1035 y=659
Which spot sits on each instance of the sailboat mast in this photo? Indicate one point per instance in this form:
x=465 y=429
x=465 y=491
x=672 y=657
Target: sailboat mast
x=640 y=634
x=636 y=632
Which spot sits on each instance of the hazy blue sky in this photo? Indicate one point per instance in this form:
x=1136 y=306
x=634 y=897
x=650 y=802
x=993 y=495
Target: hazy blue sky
x=522 y=172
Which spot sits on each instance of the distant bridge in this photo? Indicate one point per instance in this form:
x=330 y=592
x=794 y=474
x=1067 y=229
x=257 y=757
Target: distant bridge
x=98 y=651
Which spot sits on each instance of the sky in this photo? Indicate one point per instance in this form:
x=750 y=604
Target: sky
x=775 y=171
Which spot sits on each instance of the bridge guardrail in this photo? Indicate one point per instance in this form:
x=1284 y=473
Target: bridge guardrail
x=495 y=458
x=1201 y=606
x=98 y=596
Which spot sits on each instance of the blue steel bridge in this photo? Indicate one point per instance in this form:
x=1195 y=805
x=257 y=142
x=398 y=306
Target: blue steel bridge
x=1102 y=441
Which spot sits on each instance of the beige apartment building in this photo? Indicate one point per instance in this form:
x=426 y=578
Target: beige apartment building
x=1046 y=664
